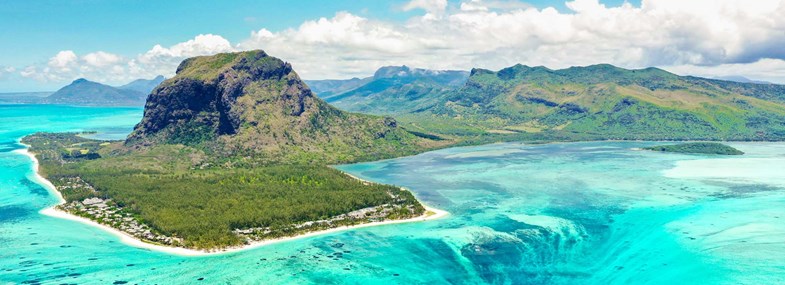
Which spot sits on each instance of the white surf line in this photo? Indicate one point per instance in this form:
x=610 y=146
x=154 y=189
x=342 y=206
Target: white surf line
x=125 y=238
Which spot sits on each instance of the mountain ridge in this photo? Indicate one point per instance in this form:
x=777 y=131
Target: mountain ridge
x=599 y=101
x=395 y=88
x=89 y=93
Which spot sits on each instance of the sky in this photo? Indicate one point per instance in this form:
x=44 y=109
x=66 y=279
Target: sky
x=46 y=44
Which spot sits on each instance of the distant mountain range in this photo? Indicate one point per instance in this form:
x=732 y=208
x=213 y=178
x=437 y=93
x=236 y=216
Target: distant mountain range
x=741 y=79
x=83 y=92
x=89 y=93
x=21 y=97
x=592 y=102
x=143 y=85
x=391 y=90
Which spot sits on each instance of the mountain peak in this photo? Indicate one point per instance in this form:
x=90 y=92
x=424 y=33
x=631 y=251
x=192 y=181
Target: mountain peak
x=89 y=93
x=392 y=71
x=250 y=102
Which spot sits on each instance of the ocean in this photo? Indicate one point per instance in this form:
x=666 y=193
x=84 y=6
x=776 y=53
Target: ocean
x=562 y=213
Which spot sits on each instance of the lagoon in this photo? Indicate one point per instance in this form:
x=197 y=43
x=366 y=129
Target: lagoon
x=562 y=213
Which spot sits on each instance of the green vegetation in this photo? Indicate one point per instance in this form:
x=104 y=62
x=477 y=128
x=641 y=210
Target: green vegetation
x=583 y=103
x=699 y=148
x=233 y=148
x=254 y=109
x=164 y=188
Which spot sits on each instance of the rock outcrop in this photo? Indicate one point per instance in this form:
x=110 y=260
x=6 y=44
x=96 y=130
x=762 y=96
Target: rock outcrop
x=253 y=104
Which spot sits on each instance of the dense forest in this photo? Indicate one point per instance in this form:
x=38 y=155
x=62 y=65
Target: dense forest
x=203 y=205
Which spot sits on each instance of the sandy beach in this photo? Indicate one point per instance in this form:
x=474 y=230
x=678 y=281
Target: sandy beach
x=430 y=214
x=38 y=178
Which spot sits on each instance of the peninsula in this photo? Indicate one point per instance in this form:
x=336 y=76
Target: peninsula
x=233 y=151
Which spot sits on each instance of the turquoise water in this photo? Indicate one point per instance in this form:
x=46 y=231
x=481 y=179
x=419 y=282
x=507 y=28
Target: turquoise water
x=578 y=213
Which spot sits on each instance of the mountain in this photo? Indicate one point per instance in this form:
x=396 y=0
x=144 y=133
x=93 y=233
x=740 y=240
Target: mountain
x=328 y=88
x=235 y=148
x=88 y=93
x=254 y=104
x=741 y=79
x=143 y=85
x=396 y=90
x=605 y=102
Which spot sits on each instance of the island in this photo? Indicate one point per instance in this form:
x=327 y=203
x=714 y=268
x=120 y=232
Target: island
x=698 y=148
x=233 y=151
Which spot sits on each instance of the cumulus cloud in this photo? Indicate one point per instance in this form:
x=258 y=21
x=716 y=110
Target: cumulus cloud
x=771 y=70
x=486 y=5
x=63 y=60
x=431 y=6
x=496 y=34
x=697 y=37
x=6 y=70
x=115 y=69
x=101 y=59
x=200 y=45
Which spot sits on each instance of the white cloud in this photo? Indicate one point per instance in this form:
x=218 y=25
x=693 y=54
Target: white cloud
x=28 y=71
x=101 y=59
x=496 y=34
x=63 y=60
x=486 y=5
x=200 y=45
x=5 y=70
x=698 y=36
x=110 y=68
x=430 y=6
x=771 y=70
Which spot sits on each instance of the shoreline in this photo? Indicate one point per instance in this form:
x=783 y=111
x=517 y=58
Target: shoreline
x=127 y=239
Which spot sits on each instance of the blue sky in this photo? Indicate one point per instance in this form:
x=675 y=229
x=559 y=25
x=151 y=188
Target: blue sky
x=34 y=32
x=38 y=29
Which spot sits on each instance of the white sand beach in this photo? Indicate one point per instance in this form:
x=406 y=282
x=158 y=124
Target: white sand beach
x=430 y=214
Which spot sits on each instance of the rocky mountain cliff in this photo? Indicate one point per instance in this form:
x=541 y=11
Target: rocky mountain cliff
x=255 y=105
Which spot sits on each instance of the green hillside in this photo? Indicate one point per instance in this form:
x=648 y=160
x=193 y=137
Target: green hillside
x=605 y=102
